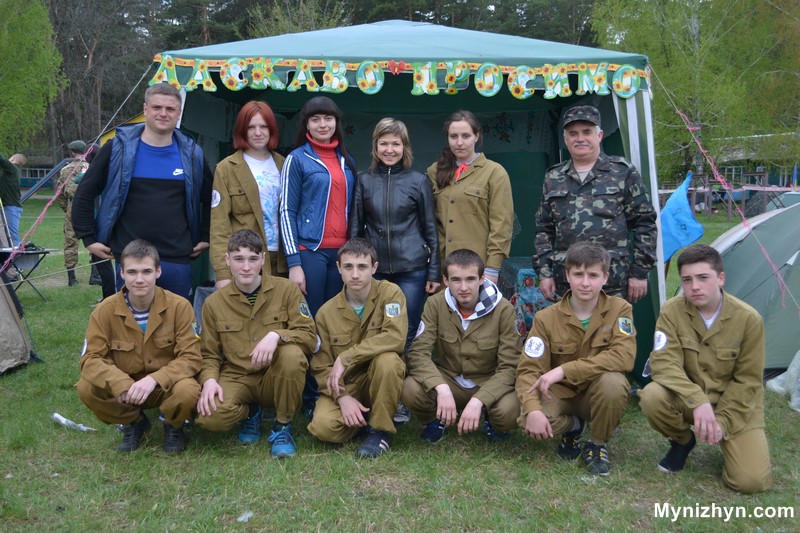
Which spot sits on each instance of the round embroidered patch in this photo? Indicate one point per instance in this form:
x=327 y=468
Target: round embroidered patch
x=215 y=198
x=659 y=340
x=420 y=329
x=534 y=347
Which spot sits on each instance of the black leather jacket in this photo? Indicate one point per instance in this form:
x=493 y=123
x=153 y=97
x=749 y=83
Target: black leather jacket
x=395 y=211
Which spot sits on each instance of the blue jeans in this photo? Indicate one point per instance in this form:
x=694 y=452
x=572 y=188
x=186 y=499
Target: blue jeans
x=413 y=286
x=175 y=277
x=13 y=214
x=323 y=280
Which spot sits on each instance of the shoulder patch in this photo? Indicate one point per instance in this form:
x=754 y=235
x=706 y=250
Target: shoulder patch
x=215 y=198
x=85 y=345
x=304 y=310
x=420 y=329
x=625 y=326
x=534 y=347
x=196 y=329
x=392 y=310
x=659 y=340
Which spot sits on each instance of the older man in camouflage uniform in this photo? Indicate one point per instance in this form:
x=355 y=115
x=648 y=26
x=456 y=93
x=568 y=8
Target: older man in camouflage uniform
x=598 y=198
x=67 y=183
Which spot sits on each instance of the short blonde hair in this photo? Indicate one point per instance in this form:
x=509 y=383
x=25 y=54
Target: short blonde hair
x=391 y=126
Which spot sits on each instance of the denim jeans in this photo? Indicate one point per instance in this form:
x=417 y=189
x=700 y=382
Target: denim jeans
x=13 y=214
x=323 y=280
x=413 y=286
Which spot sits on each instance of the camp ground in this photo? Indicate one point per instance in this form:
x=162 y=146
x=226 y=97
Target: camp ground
x=420 y=73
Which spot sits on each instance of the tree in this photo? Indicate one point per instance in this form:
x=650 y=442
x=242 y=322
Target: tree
x=106 y=48
x=292 y=16
x=29 y=71
x=729 y=65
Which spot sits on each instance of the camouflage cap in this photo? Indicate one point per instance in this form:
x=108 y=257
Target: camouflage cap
x=77 y=147
x=585 y=113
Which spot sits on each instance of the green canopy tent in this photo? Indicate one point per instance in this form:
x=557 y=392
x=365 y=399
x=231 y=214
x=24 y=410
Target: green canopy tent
x=419 y=72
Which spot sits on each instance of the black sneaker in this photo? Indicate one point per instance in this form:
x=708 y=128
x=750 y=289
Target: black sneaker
x=376 y=444
x=676 y=456
x=492 y=435
x=569 y=448
x=596 y=458
x=433 y=432
x=132 y=434
x=174 y=440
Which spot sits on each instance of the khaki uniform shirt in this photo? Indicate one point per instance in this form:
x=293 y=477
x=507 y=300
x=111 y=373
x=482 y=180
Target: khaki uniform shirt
x=232 y=327
x=557 y=338
x=723 y=365
x=383 y=328
x=236 y=204
x=118 y=353
x=485 y=353
x=477 y=212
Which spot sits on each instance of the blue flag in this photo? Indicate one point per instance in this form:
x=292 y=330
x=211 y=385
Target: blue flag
x=679 y=228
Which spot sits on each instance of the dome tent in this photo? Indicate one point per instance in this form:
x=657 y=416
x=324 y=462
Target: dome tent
x=420 y=73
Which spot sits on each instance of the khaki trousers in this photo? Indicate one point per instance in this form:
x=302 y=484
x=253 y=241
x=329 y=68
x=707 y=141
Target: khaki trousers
x=502 y=414
x=746 y=465
x=279 y=386
x=377 y=387
x=177 y=405
x=601 y=404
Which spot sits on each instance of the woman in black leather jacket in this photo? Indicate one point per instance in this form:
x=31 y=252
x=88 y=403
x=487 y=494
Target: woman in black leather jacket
x=393 y=208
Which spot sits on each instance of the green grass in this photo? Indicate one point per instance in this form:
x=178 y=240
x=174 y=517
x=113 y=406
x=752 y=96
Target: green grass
x=54 y=479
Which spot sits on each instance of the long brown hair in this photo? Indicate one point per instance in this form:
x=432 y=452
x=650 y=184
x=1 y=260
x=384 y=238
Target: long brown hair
x=322 y=105
x=446 y=164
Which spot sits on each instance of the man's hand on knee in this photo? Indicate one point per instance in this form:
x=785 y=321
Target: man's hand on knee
x=537 y=426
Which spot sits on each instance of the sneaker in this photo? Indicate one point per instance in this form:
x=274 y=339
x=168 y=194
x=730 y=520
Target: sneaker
x=282 y=441
x=174 y=440
x=569 y=448
x=251 y=427
x=676 y=456
x=402 y=416
x=492 y=434
x=376 y=443
x=596 y=458
x=433 y=432
x=132 y=434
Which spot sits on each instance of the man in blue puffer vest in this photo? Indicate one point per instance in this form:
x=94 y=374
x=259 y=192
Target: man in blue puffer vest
x=155 y=185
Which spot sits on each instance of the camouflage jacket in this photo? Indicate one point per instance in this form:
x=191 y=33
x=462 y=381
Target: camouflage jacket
x=608 y=207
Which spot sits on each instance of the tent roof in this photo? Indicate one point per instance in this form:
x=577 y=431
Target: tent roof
x=410 y=41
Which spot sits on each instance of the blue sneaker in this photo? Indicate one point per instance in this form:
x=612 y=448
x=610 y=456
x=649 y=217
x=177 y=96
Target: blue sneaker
x=433 y=432
x=282 y=442
x=251 y=427
x=492 y=435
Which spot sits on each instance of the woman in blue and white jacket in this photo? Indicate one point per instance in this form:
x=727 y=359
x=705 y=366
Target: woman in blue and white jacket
x=318 y=180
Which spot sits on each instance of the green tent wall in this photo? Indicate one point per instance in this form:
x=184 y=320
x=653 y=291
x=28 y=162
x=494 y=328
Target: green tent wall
x=522 y=134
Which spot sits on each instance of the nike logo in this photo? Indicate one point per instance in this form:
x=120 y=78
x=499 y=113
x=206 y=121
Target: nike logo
x=177 y=172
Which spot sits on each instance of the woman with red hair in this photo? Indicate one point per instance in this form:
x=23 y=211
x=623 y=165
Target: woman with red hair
x=247 y=190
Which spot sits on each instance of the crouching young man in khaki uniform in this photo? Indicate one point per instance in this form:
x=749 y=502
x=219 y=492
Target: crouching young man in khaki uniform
x=707 y=365
x=472 y=330
x=141 y=352
x=256 y=332
x=362 y=332
x=572 y=367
